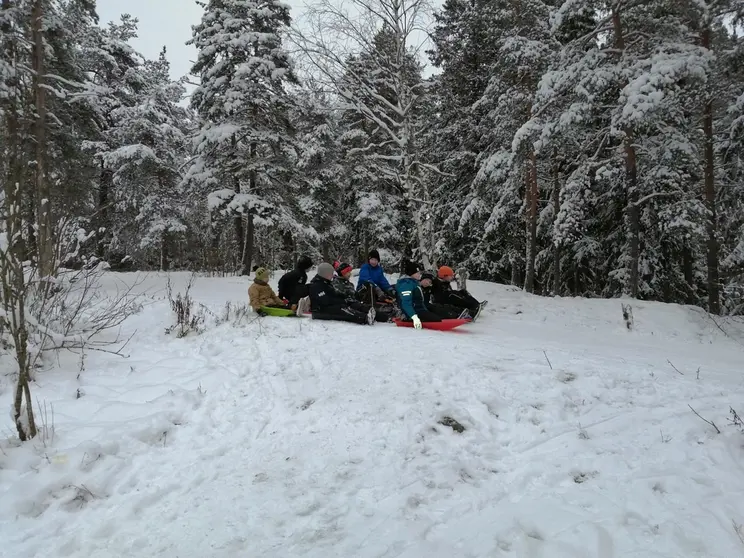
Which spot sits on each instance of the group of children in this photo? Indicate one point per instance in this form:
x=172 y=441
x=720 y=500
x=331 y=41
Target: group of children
x=418 y=296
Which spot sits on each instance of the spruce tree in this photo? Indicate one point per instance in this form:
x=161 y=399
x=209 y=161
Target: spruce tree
x=240 y=156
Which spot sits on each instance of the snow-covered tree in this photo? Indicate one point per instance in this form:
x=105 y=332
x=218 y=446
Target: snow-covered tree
x=151 y=136
x=243 y=148
x=369 y=61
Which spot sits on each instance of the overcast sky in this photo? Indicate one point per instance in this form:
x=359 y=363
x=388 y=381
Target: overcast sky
x=168 y=23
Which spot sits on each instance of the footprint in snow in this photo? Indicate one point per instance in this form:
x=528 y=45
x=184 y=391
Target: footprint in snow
x=565 y=377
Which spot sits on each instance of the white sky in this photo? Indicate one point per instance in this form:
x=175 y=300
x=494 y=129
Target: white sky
x=168 y=23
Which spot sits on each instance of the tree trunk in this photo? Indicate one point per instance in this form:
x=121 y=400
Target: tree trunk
x=214 y=244
x=288 y=260
x=634 y=216
x=250 y=234
x=531 y=252
x=103 y=216
x=416 y=205
x=43 y=193
x=11 y=269
x=516 y=271
x=164 y=261
x=687 y=270
x=556 y=246
x=13 y=181
x=247 y=251
x=631 y=181
x=714 y=299
x=239 y=231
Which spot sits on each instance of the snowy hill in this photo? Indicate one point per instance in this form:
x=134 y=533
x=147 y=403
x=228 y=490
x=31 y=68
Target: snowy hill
x=289 y=437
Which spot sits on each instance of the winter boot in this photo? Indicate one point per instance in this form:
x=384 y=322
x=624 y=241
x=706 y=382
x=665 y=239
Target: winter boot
x=303 y=306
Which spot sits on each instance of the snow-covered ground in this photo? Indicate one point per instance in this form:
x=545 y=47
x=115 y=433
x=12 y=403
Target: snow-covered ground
x=288 y=437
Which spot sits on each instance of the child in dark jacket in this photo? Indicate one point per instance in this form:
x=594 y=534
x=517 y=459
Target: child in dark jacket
x=326 y=303
x=411 y=297
x=444 y=311
x=293 y=284
x=442 y=293
x=341 y=281
x=343 y=284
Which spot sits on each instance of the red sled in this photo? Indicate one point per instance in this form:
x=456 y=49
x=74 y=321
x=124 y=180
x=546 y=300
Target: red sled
x=444 y=325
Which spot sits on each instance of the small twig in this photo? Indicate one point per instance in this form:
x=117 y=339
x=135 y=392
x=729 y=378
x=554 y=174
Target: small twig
x=726 y=333
x=697 y=375
x=677 y=369
x=546 y=358
x=706 y=420
x=735 y=418
x=739 y=531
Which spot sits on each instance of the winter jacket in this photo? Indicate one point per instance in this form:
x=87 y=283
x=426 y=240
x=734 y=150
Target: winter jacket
x=344 y=287
x=261 y=294
x=323 y=297
x=376 y=275
x=291 y=283
x=428 y=293
x=440 y=291
x=410 y=296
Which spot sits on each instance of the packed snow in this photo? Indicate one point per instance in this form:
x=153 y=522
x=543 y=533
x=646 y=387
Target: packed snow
x=292 y=437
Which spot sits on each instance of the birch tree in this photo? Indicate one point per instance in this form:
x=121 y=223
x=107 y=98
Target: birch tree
x=374 y=81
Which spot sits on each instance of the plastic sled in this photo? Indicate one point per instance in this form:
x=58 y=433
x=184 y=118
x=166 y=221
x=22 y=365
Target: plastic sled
x=444 y=325
x=281 y=312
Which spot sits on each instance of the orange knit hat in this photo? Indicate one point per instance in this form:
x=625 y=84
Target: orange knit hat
x=445 y=271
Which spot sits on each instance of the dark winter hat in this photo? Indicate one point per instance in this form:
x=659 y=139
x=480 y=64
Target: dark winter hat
x=342 y=267
x=305 y=263
x=427 y=275
x=325 y=270
x=411 y=268
x=373 y=254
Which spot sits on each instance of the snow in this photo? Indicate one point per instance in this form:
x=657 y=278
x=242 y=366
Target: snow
x=291 y=437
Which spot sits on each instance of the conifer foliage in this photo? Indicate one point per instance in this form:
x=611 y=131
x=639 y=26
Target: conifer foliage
x=242 y=150
x=569 y=147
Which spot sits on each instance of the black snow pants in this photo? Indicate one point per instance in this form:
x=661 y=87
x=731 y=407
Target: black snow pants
x=354 y=313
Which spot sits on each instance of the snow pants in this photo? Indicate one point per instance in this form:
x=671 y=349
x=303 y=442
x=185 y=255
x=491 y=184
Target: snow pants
x=462 y=299
x=444 y=311
x=426 y=316
x=353 y=313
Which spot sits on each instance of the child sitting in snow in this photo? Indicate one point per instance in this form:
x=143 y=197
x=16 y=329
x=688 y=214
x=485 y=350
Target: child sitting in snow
x=326 y=303
x=411 y=297
x=293 y=284
x=372 y=281
x=342 y=282
x=444 y=311
x=261 y=294
x=344 y=286
x=442 y=293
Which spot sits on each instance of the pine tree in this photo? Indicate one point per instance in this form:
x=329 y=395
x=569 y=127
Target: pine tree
x=240 y=151
x=151 y=138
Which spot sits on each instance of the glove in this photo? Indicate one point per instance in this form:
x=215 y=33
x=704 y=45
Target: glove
x=261 y=313
x=416 y=321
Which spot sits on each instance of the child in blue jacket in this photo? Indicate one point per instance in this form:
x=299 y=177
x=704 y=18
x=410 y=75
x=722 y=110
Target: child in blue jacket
x=373 y=273
x=411 y=297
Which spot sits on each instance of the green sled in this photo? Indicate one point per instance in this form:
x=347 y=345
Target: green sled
x=281 y=312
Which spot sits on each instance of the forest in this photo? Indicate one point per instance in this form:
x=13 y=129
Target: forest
x=572 y=148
